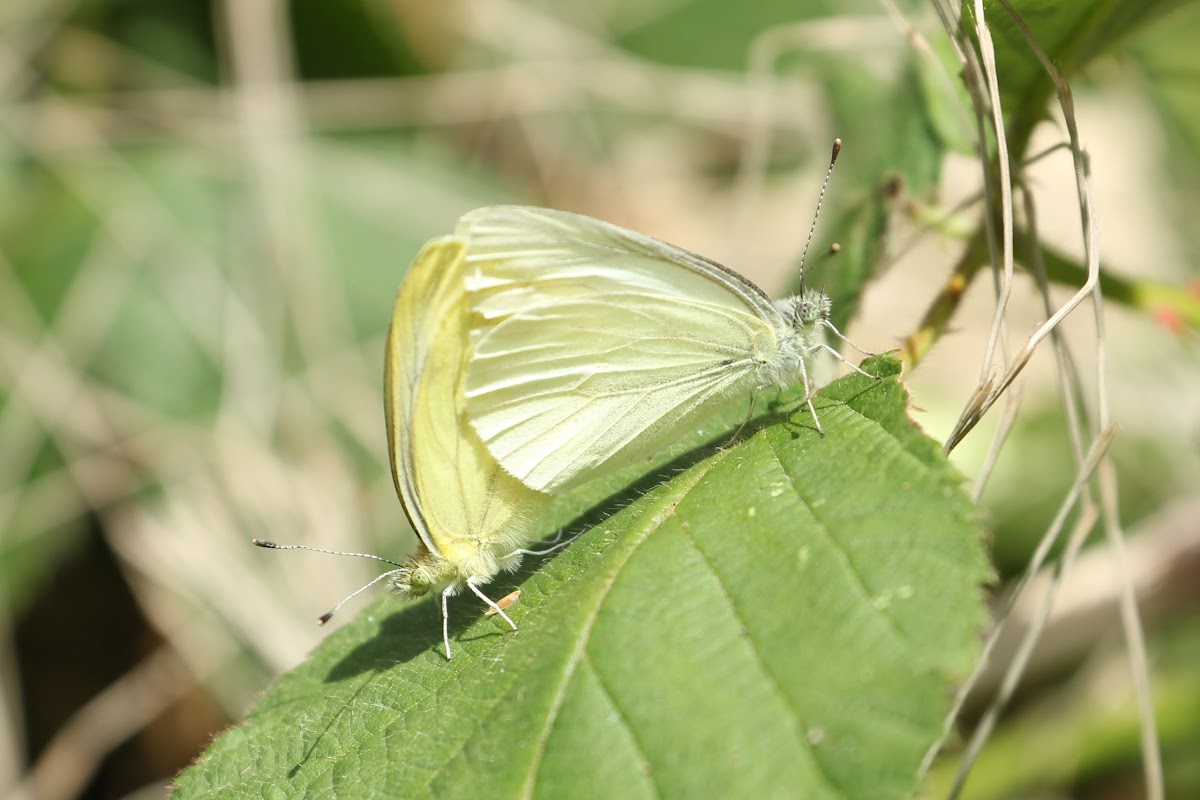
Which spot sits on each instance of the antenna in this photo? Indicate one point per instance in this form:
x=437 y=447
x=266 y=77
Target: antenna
x=321 y=620
x=837 y=148
x=834 y=249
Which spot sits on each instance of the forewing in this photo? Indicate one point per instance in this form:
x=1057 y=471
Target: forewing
x=594 y=346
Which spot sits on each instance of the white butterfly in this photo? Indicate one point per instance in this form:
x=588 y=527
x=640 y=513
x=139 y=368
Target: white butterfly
x=596 y=346
x=471 y=517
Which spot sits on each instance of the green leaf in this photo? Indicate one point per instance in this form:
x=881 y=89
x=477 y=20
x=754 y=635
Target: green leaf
x=784 y=618
x=716 y=34
x=1166 y=60
x=1072 y=36
x=908 y=157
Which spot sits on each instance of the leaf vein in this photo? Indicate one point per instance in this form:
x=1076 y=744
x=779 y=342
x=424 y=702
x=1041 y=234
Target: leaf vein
x=576 y=657
x=647 y=765
x=775 y=684
x=861 y=582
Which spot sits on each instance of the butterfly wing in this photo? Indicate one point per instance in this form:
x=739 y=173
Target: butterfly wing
x=462 y=504
x=594 y=345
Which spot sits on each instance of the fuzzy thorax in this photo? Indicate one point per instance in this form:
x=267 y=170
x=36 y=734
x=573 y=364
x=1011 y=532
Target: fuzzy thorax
x=426 y=571
x=803 y=315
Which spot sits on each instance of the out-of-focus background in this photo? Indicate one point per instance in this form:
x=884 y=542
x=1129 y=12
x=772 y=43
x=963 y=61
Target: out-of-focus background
x=206 y=207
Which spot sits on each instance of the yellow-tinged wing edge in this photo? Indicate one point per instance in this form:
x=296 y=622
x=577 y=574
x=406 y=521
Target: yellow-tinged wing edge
x=468 y=512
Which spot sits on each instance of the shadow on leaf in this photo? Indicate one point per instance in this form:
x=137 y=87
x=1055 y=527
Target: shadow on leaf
x=416 y=629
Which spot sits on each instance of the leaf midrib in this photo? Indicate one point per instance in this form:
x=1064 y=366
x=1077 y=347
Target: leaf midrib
x=683 y=484
x=775 y=684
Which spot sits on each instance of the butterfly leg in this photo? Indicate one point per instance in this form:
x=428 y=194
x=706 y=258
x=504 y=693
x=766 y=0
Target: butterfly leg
x=851 y=365
x=491 y=603
x=558 y=536
x=554 y=545
x=446 y=618
x=840 y=358
x=749 y=416
x=842 y=336
x=838 y=355
x=808 y=393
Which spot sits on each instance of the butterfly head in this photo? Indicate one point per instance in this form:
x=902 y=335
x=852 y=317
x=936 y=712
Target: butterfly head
x=803 y=311
x=416 y=578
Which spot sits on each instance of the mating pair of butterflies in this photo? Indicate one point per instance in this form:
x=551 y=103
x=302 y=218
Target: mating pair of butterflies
x=536 y=349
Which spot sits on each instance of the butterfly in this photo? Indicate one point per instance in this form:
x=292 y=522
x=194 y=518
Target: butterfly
x=470 y=515
x=593 y=346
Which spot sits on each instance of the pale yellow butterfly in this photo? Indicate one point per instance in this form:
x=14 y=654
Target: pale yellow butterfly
x=470 y=515
x=594 y=346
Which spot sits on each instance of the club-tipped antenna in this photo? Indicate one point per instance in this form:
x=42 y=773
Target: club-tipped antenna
x=837 y=148
x=328 y=615
x=834 y=249
x=321 y=620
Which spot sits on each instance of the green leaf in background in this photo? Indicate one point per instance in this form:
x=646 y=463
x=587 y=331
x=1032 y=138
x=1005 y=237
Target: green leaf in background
x=917 y=123
x=902 y=146
x=903 y=138
x=1071 y=34
x=785 y=618
x=670 y=33
x=1169 y=61
x=137 y=261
